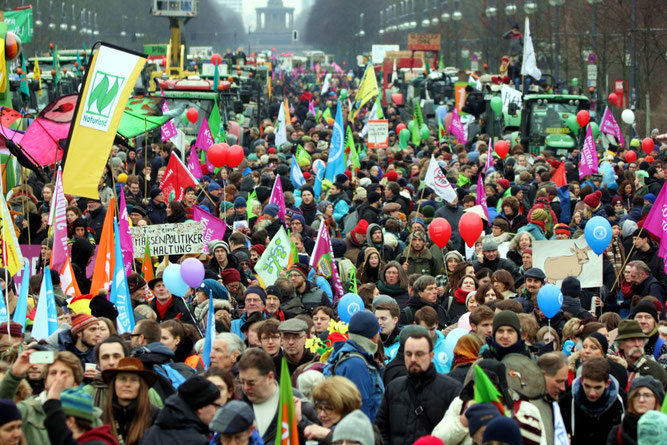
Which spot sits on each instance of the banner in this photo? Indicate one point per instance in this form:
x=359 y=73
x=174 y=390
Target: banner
x=124 y=233
x=336 y=161
x=378 y=133
x=323 y=262
x=368 y=89
x=109 y=81
x=204 y=138
x=168 y=130
x=274 y=259
x=58 y=221
x=656 y=222
x=11 y=257
x=456 y=128
x=20 y=23
x=176 y=179
x=564 y=258
x=168 y=239
x=212 y=228
x=588 y=163
x=120 y=291
x=611 y=127
x=437 y=180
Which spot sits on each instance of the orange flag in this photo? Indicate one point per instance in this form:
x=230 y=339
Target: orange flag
x=559 y=176
x=147 y=266
x=68 y=280
x=104 y=263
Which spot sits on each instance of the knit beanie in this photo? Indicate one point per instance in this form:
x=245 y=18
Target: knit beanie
x=301 y=268
x=506 y=318
x=274 y=290
x=361 y=227
x=256 y=290
x=650 y=383
x=539 y=215
x=78 y=403
x=355 y=427
x=81 y=321
x=571 y=287
x=373 y=197
x=601 y=340
x=197 y=392
x=562 y=228
x=8 y=412
x=646 y=307
x=15 y=329
x=652 y=428
x=239 y=202
x=230 y=276
x=592 y=200
x=479 y=415
x=211 y=287
x=504 y=430
x=364 y=323
x=504 y=183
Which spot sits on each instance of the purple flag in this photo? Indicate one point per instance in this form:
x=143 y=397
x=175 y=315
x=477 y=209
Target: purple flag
x=481 y=196
x=168 y=130
x=193 y=164
x=204 y=138
x=214 y=228
x=311 y=107
x=324 y=263
x=489 y=157
x=58 y=221
x=125 y=235
x=609 y=126
x=589 y=156
x=278 y=198
x=656 y=222
x=456 y=128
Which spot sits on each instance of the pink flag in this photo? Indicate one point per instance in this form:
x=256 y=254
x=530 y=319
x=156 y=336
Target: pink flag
x=481 y=196
x=193 y=164
x=324 y=262
x=656 y=222
x=489 y=157
x=589 y=156
x=125 y=235
x=456 y=128
x=168 y=130
x=214 y=228
x=58 y=220
x=204 y=138
x=278 y=198
x=609 y=126
x=311 y=107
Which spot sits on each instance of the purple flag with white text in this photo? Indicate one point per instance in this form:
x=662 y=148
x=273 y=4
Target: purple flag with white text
x=126 y=246
x=204 y=138
x=193 y=164
x=168 y=130
x=456 y=128
x=214 y=228
x=656 y=222
x=589 y=156
x=611 y=127
x=481 y=196
x=278 y=198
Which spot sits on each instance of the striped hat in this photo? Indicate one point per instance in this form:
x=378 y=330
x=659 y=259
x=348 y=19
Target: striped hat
x=78 y=403
x=81 y=321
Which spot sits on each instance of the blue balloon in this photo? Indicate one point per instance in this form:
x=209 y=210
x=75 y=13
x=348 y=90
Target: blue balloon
x=549 y=300
x=348 y=305
x=607 y=172
x=441 y=112
x=173 y=281
x=598 y=234
x=450 y=343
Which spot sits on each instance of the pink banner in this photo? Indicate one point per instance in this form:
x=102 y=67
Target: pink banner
x=168 y=130
x=611 y=127
x=456 y=128
x=481 y=196
x=656 y=222
x=589 y=156
x=204 y=138
x=59 y=224
x=214 y=228
x=278 y=198
x=193 y=164
x=489 y=157
x=126 y=245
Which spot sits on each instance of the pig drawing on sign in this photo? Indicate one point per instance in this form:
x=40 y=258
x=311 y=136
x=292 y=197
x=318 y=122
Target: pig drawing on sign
x=560 y=267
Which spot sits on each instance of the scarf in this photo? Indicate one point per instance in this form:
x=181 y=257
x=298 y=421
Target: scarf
x=390 y=289
x=597 y=408
x=540 y=224
x=162 y=308
x=460 y=295
x=279 y=314
x=466 y=351
x=501 y=351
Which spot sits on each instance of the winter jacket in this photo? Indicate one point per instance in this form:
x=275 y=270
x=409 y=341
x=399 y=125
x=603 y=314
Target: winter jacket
x=369 y=213
x=155 y=356
x=177 y=423
x=60 y=434
x=395 y=291
x=353 y=248
x=341 y=204
x=572 y=306
x=176 y=309
x=647 y=366
x=649 y=349
x=96 y=222
x=414 y=304
x=534 y=230
x=626 y=432
x=397 y=418
x=497 y=264
x=654 y=185
x=157 y=213
x=66 y=343
x=313 y=297
x=421 y=263
x=653 y=261
x=440 y=361
x=238 y=323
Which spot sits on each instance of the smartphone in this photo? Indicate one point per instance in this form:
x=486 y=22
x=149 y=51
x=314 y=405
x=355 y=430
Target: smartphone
x=41 y=357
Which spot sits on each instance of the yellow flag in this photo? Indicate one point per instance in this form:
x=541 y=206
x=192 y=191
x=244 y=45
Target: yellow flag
x=12 y=259
x=99 y=109
x=288 y=118
x=37 y=75
x=368 y=89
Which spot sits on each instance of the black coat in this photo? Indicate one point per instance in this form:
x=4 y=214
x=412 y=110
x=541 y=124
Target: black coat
x=177 y=423
x=397 y=420
x=176 y=309
x=414 y=304
x=628 y=431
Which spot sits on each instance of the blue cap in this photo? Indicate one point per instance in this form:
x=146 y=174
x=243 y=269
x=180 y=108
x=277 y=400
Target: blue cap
x=239 y=202
x=213 y=186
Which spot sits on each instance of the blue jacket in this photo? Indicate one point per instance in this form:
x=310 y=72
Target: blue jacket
x=341 y=208
x=238 y=323
x=369 y=383
x=66 y=343
x=534 y=230
x=440 y=360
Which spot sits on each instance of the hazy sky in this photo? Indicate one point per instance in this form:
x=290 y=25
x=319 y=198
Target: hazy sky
x=250 y=18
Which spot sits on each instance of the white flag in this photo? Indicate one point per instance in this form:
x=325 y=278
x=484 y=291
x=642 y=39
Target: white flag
x=529 y=67
x=436 y=179
x=281 y=131
x=325 y=84
x=373 y=115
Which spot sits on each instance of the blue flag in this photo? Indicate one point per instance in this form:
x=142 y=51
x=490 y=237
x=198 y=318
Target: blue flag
x=296 y=175
x=120 y=291
x=319 y=177
x=4 y=316
x=46 y=317
x=210 y=333
x=22 y=304
x=336 y=161
x=564 y=196
x=216 y=77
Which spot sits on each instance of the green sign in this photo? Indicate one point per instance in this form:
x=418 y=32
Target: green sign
x=20 y=23
x=155 y=49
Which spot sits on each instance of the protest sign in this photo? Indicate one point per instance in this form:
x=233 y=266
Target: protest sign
x=378 y=133
x=274 y=259
x=510 y=95
x=564 y=258
x=168 y=239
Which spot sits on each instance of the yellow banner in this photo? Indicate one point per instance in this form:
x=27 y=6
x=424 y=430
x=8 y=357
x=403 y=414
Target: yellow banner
x=368 y=89
x=12 y=259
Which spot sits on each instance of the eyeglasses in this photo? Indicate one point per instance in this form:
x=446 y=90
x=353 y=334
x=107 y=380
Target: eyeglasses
x=322 y=406
x=270 y=338
x=646 y=395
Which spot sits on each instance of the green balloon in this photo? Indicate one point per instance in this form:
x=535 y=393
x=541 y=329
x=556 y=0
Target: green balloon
x=425 y=133
x=575 y=81
x=404 y=136
x=497 y=105
x=595 y=129
x=411 y=126
x=343 y=93
x=573 y=124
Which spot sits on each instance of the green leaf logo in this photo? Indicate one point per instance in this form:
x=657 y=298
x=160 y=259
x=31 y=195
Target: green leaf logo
x=104 y=93
x=99 y=91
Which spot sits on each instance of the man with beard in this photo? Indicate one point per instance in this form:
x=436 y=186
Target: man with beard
x=417 y=257
x=630 y=343
x=414 y=404
x=534 y=281
x=81 y=339
x=491 y=260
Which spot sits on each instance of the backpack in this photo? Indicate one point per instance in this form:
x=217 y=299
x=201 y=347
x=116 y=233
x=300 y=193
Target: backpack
x=350 y=222
x=169 y=379
x=330 y=368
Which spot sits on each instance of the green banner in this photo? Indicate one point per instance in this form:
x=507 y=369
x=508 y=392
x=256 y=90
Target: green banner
x=20 y=23
x=155 y=49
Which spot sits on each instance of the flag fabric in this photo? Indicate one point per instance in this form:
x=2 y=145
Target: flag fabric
x=80 y=304
x=336 y=161
x=611 y=127
x=147 y=265
x=4 y=313
x=319 y=177
x=303 y=157
x=58 y=221
x=664 y=406
x=212 y=228
x=441 y=63
x=67 y=279
x=353 y=280
x=419 y=121
x=23 y=85
x=368 y=89
x=251 y=203
x=120 y=291
x=281 y=130
x=529 y=66
x=327 y=114
x=287 y=423
x=311 y=107
x=46 y=316
x=656 y=222
x=214 y=124
x=378 y=107
x=274 y=259
x=37 y=76
x=441 y=132
x=143 y=114
x=296 y=175
x=394 y=74
x=288 y=118
x=210 y=331
x=588 y=164
x=326 y=84
x=56 y=66
x=176 y=179
x=559 y=176
x=323 y=262
x=352 y=157
x=293 y=255
x=216 y=77
x=108 y=83
x=22 y=304
x=12 y=258
x=489 y=157
x=104 y=263
x=204 y=138
x=278 y=197
x=193 y=164
x=480 y=199
x=125 y=235
x=456 y=128
x=437 y=180
x=560 y=432
x=485 y=391
x=168 y=130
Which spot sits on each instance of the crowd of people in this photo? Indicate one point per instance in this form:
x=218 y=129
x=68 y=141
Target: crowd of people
x=399 y=371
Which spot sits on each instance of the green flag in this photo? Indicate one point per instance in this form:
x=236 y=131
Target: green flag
x=327 y=114
x=351 y=156
x=303 y=158
x=419 y=121
x=23 y=87
x=664 y=406
x=216 y=78
x=441 y=64
x=378 y=108
x=353 y=280
x=56 y=65
x=287 y=431
x=485 y=390
x=215 y=125
x=252 y=200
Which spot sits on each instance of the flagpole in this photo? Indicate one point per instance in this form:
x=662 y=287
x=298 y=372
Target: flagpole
x=4 y=261
x=627 y=257
x=145 y=161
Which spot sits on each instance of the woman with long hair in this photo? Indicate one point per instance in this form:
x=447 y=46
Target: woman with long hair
x=503 y=282
x=394 y=282
x=521 y=242
x=487 y=293
x=461 y=270
x=459 y=305
x=646 y=394
x=370 y=267
x=128 y=408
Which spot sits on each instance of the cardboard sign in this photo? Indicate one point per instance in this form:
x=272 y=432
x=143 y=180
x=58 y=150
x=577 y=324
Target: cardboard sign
x=564 y=258
x=168 y=239
x=424 y=42
x=378 y=133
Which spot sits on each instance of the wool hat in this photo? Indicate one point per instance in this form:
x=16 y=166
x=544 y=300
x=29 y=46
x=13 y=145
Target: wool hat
x=571 y=287
x=407 y=331
x=293 y=326
x=259 y=248
x=271 y=210
x=240 y=202
x=15 y=329
x=274 y=290
x=197 y=392
x=100 y=306
x=341 y=178
x=301 y=268
x=650 y=383
x=373 y=197
x=453 y=254
x=338 y=247
x=213 y=186
x=155 y=193
x=629 y=329
x=504 y=430
x=8 y=411
x=213 y=287
x=81 y=321
x=230 y=276
x=646 y=307
x=392 y=175
x=592 y=200
x=139 y=209
x=504 y=183
x=135 y=282
x=78 y=403
x=535 y=272
x=479 y=415
x=355 y=427
x=364 y=323
x=378 y=300
x=506 y=318
x=362 y=227
x=489 y=246
x=255 y=290
x=650 y=197
x=130 y=365
x=539 y=215
x=212 y=245
x=562 y=228
x=233 y=417
x=307 y=188
x=601 y=340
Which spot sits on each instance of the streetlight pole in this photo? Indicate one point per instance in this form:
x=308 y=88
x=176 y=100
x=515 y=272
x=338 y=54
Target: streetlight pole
x=557 y=4
x=633 y=56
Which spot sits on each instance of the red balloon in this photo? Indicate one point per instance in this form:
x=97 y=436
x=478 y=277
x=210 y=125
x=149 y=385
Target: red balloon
x=502 y=148
x=583 y=117
x=630 y=156
x=216 y=59
x=218 y=154
x=470 y=228
x=647 y=145
x=399 y=127
x=440 y=232
x=236 y=155
x=192 y=115
x=612 y=98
